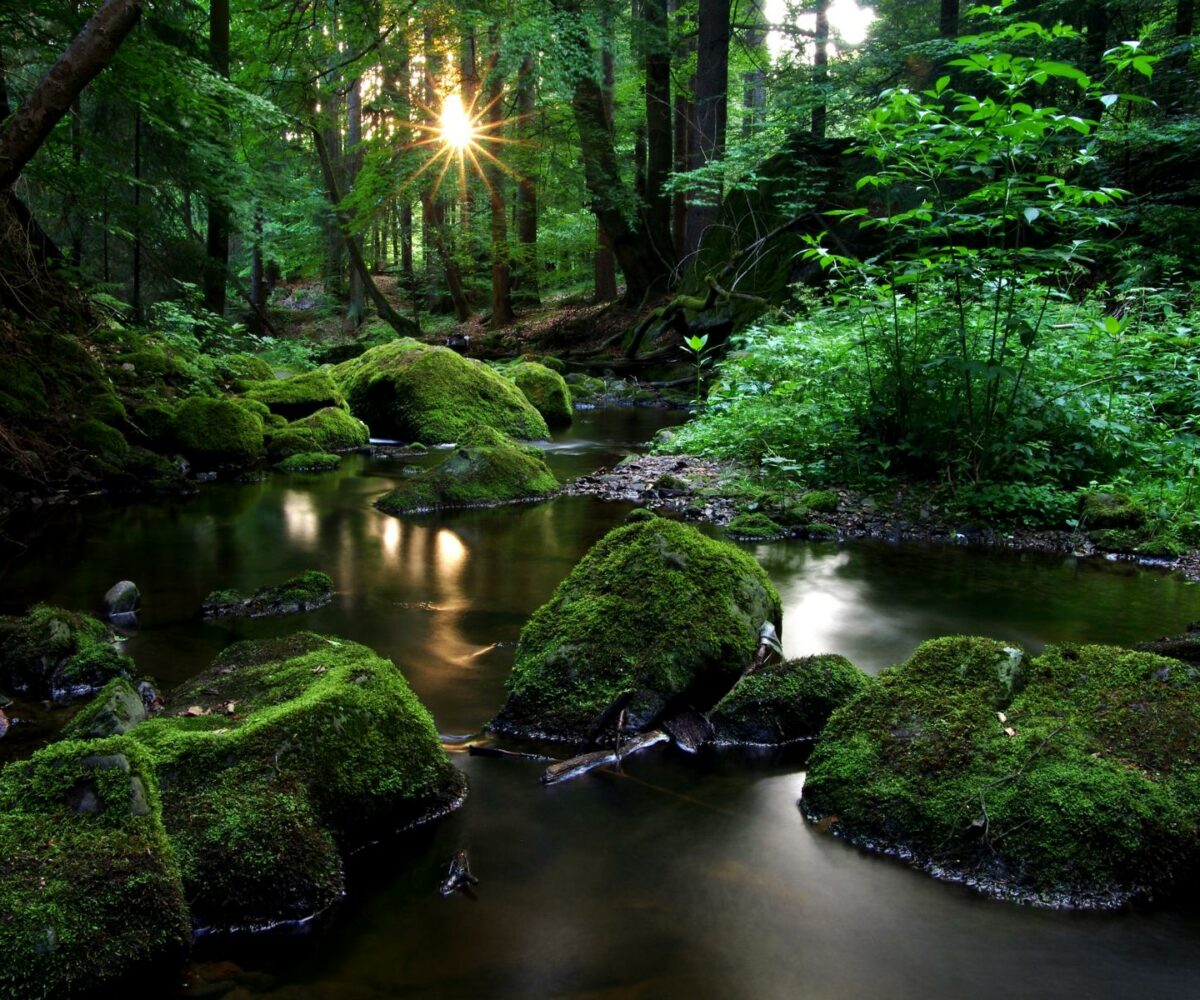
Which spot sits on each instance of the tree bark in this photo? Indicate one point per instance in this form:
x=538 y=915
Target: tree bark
x=658 y=126
x=216 y=265
x=712 y=84
x=604 y=264
x=357 y=307
x=948 y=19
x=525 y=282
x=89 y=52
x=754 y=81
x=502 y=307
x=258 y=291
x=821 y=70
x=386 y=312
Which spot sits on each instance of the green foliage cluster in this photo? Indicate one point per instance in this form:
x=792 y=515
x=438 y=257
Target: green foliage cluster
x=655 y=610
x=1071 y=777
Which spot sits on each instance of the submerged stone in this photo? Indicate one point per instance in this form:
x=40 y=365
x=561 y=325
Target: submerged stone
x=1067 y=780
x=306 y=592
x=411 y=392
x=546 y=390
x=787 y=701
x=90 y=889
x=487 y=468
x=654 y=616
x=57 y=654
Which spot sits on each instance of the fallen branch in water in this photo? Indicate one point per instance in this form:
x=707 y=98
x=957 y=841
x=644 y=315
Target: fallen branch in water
x=478 y=750
x=573 y=768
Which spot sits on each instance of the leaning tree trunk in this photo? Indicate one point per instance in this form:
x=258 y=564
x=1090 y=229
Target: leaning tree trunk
x=89 y=52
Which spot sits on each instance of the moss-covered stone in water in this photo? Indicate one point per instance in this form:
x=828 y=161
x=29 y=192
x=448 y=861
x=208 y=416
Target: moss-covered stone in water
x=546 y=390
x=217 y=429
x=90 y=891
x=300 y=395
x=586 y=388
x=1112 y=510
x=821 y=533
x=330 y=429
x=309 y=461
x=655 y=608
x=280 y=757
x=58 y=654
x=787 y=701
x=306 y=592
x=115 y=710
x=754 y=526
x=487 y=468
x=820 y=501
x=411 y=392
x=1084 y=789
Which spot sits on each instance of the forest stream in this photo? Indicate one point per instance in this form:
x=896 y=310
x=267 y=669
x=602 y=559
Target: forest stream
x=677 y=876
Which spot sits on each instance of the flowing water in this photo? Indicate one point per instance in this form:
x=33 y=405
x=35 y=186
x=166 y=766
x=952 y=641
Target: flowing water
x=681 y=876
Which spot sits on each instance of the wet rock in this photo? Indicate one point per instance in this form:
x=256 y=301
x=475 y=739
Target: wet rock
x=306 y=592
x=1062 y=780
x=656 y=611
x=689 y=730
x=115 y=710
x=58 y=654
x=486 y=469
x=121 y=602
x=546 y=390
x=1184 y=647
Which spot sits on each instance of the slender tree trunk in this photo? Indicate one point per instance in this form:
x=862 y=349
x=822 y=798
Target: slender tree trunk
x=685 y=132
x=604 y=264
x=136 y=296
x=217 y=238
x=258 y=292
x=526 y=278
x=335 y=247
x=74 y=215
x=821 y=70
x=658 y=127
x=357 y=307
x=502 y=307
x=712 y=84
x=948 y=19
x=89 y=52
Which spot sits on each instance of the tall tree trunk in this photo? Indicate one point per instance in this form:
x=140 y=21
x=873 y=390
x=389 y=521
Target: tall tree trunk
x=948 y=19
x=754 y=81
x=685 y=136
x=335 y=247
x=258 y=290
x=712 y=85
x=821 y=70
x=525 y=282
x=604 y=264
x=217 y=238
x=74 y=216
x=502 y=307
x=382 y=306
x=136 y=295
x=357 y=307
x=658 y=127
x=89 y=52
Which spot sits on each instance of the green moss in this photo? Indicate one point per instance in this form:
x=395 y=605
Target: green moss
x=821 y=501
x=90 y=891
x=244 y=368
x=1162 y=547
x=821 y=532
x=260 y=410
x=156 y=421
x=546 y=390
x=106 y=443
x=332 y=429
x=59 y=654
x=586 y=388
x=116 y=709
x=107 y=408
x=411 y=392
x=486 y=468
x=655 y=609
x=756 y=525
x=309 y=461
x=1116 y=539
x=300 y=395
x=553 y=363
x=217 y=429
x=1112 y=510
x=280 y=757
x=305 y=592
x=1086 y=791
x=639 y=514
x=668 y=481
x=787 y=701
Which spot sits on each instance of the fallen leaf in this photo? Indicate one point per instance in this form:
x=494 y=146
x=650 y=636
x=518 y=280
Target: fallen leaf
x=1001 y=716
x=318 y=670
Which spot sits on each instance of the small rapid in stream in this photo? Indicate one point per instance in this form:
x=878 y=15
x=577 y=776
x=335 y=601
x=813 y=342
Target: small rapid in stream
x=679 y=877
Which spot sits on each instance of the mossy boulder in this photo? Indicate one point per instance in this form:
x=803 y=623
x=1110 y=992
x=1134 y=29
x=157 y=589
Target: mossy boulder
x=154 y=420
x=411 y=392
x=217 y=429
x=587 y=389
x=820 y=501
x=1071 y=779
x=1112 y=510
x=485 y=469
x=655 y=614
x=787 y=701
x=309 y=461
x=546 y=390
x=104 y=443
x=279 y=759
x=114 y=711
x=330 y=429
x=243 y=368
x=305 y=592
x=52 y=653
x=90 y=888
x=298 y=396
x=754 y=526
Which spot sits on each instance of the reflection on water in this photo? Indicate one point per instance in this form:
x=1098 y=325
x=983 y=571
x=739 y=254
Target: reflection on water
x=688 y=877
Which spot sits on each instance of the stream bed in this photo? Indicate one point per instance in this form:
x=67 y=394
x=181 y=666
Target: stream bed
x=679 y=877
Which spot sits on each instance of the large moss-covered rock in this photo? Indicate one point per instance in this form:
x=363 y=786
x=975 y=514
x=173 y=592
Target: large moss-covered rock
x=485 y=469
x=277 y=760
x=330 y=430
x=309 y=461
x=90 y=890
x=786 y=701
x=546 y=390
x=115 y=710
x=216 y=429
x=411 y=392
x=52 y=653
x=1073 y=779
x=655 y=613
x=306 y=591
x=298 y=396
